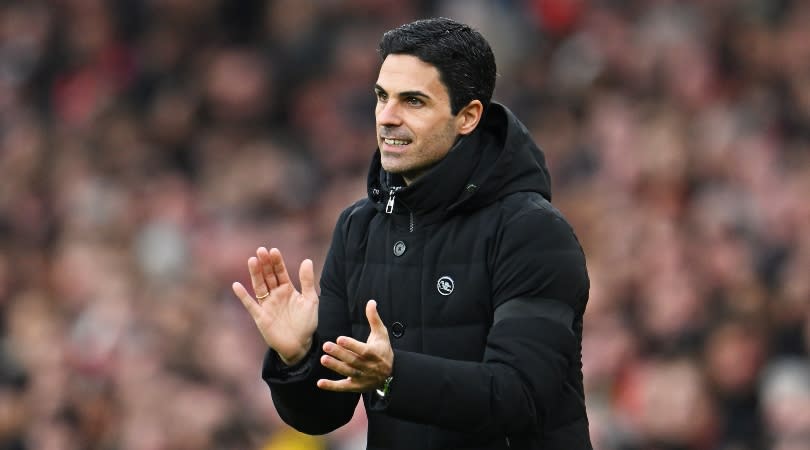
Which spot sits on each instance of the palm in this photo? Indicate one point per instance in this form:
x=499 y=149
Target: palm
x=288 y=319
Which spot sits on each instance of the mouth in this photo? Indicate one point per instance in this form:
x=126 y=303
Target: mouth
x=396 y=142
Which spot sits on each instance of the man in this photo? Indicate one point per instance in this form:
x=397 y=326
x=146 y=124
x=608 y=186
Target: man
x=473 y=340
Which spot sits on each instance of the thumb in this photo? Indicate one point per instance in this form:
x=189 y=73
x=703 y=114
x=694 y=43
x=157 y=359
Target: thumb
x=250 y=305
x=307 y=276
x=374 y=319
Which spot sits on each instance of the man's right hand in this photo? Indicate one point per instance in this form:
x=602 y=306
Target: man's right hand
x=285 y=317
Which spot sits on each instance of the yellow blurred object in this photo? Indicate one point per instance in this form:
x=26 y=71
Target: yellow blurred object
x=289 y=439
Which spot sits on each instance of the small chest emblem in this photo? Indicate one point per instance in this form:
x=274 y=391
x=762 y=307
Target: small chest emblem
x=399 y=248
x=445 y=285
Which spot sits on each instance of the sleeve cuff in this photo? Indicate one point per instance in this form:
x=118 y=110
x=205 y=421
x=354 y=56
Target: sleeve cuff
x=275 y=371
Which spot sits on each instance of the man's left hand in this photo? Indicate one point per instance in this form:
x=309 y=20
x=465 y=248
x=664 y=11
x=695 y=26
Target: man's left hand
x=366 y=365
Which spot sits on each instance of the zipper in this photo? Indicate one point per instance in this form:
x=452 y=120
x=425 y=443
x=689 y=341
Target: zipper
x=389 y=207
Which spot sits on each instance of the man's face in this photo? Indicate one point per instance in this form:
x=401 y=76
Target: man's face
x=415 y=128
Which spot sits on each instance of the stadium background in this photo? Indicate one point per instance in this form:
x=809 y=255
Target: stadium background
x=148 y=147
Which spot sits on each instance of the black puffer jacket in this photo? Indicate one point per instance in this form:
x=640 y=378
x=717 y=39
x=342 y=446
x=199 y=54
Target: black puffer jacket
x=482 y=286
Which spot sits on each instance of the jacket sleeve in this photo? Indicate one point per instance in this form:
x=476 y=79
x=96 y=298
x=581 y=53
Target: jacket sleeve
x=539 y=287
x=298 y=400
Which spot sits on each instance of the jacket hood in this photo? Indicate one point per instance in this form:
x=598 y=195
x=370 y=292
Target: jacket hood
x=497 y=159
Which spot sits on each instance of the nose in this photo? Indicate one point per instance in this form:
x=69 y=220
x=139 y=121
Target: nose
x=388 y=114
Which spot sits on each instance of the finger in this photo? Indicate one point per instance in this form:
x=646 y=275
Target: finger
x=374 y=319
x=279 y=268
x=345 y=385
x=340 y=367
x=353 y=345
x=260 y=289
x=341 y=354
x=266 y=264
x=307 y=276
x=250 y=305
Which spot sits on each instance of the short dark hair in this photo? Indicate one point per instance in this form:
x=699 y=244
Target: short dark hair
x=462 y=56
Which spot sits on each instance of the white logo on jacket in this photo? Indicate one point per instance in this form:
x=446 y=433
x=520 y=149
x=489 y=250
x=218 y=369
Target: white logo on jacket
x=445 y=285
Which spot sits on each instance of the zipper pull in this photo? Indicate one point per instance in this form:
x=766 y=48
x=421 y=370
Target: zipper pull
x=389 y=207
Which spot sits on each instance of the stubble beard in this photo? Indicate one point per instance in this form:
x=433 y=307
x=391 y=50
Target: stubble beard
x=411 y=174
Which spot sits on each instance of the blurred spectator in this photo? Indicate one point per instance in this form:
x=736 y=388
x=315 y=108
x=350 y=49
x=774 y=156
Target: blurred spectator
x=785 y=392
x=146 y=148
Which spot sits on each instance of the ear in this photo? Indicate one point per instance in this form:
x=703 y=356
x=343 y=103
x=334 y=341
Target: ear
x=469 y=116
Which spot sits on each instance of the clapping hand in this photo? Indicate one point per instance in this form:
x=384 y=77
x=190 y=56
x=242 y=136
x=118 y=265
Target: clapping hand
x=285 y=317
x=365 y=365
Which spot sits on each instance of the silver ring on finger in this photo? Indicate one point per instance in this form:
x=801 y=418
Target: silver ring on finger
x=262 y=297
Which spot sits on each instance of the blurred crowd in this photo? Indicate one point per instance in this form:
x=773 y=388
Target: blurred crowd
x=148 y=147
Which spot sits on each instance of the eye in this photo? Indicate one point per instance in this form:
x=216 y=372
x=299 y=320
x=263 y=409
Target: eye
x=414 y=101
x=381 y=96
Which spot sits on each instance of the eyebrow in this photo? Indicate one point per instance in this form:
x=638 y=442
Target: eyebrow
x=403 y=94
